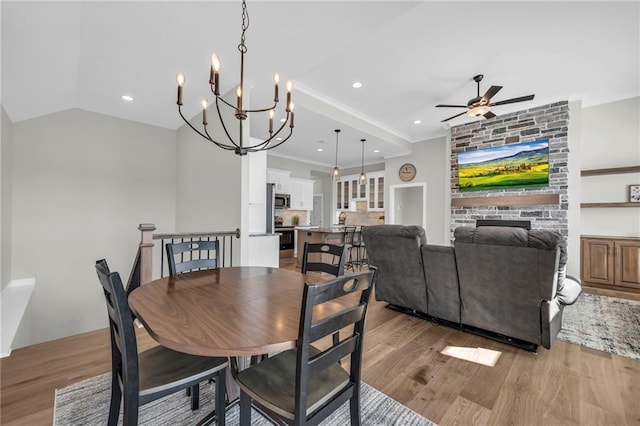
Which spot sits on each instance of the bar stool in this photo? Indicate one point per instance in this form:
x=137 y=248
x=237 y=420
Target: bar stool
x=361 y=250
x=349 y=239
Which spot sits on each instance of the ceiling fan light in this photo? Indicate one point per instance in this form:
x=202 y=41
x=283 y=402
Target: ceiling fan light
x=478 y=111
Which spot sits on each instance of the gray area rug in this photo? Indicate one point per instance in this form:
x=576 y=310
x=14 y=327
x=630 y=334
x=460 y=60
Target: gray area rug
x=87 y=403
x=603 y=323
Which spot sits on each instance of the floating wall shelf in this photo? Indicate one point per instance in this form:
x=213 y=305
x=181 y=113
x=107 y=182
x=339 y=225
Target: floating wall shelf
x=507 y=200
x=610 y=171
x=603 y=205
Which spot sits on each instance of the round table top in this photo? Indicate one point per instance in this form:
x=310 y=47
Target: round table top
x=223 y=312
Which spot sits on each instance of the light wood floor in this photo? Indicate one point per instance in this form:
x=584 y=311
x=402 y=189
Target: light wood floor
x=565 y=386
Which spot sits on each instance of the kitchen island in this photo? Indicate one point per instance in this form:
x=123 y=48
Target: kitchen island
x=330 y=235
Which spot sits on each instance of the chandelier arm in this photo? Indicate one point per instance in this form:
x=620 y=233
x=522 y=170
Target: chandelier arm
x=224 y=126
x=219 y=144
x=190 y=125
x=275 y=104
x=272 y=146
x=277 y=132
x=264 y=143
x=204 y=135
x=224 y=101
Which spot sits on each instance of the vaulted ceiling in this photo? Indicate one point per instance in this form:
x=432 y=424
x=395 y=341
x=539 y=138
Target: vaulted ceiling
x=408 y=55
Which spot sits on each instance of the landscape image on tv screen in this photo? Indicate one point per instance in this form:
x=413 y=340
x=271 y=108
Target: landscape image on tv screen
x=508 y=166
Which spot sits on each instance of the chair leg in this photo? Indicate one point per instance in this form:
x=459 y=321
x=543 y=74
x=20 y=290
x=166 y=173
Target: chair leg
x=116 y=398
x=221 y=400
x=195 y=397
x=354 y=409
x=130 y=410
x=245 y=409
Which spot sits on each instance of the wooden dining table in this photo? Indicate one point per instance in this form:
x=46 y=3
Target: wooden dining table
x=232 y=312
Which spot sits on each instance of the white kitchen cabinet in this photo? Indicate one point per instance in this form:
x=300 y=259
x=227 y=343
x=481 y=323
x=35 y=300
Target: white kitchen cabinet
x=301 y=194
x=342 y=195
x=348 y=190
x=282 y=180
x=375 y=191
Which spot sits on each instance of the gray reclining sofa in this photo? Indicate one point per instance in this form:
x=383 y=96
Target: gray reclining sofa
x=505 y=283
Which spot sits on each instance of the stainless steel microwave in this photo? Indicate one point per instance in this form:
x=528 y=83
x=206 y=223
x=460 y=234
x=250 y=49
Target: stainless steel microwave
x=282 y=201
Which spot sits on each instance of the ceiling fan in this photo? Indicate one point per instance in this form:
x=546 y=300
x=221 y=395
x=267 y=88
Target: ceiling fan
x=480 y=105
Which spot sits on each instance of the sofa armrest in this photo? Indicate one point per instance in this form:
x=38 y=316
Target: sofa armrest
x=570 y=291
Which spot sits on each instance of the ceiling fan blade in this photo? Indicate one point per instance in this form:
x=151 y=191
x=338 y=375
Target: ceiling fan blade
x=490 y=93
x=489 y=114
x=454 y=116
x=450 y=106
x=513 y=100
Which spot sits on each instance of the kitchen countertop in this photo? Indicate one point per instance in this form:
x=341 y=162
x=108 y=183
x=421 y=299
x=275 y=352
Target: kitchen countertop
x=323 y=230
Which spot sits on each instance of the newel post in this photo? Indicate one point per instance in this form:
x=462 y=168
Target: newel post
x=146 y=251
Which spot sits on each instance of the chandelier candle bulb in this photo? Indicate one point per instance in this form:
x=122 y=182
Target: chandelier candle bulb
x=289 y=87
x=215 y=73
x=291 y=122
x=271 y=113
x=204 y=112
x=276 y=80
x=239 y=95
x=180 y=81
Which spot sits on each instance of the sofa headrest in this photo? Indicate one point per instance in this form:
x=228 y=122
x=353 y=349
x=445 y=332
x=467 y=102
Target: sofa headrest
x=508 y=236
x=398 y=231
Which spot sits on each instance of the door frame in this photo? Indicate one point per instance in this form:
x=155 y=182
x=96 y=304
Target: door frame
x=392 y=198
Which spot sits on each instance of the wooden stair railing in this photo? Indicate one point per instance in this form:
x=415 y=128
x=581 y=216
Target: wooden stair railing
x=142 y=270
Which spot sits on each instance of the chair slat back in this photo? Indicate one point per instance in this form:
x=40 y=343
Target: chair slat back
x=199 y=255
x=335 y=269
x=311 y=329
x=123 y=337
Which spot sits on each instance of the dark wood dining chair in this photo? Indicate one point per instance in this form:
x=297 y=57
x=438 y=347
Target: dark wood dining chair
x=335 y=268
x=140 y=378
x=193 y=255
x=304 y=385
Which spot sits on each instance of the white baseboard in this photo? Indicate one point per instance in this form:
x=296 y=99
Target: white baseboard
x=13 y=299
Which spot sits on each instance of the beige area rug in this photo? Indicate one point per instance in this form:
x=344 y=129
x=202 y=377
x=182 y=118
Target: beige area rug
x=607 y=324
x=87 y=403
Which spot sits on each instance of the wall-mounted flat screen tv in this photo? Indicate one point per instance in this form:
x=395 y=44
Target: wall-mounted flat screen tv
x=509 y=166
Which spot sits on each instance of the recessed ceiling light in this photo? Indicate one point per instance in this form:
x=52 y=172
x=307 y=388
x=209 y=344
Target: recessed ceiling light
x=320 y=150
x=278 y=139
x=127 y=98
x=376 y=150
x=417 y=122
x=282 y=120
x=356 y=85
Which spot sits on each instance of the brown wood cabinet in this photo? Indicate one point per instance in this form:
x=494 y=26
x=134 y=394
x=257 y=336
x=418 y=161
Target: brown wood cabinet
x=610 y=261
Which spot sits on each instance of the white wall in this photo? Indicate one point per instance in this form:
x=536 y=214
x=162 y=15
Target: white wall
x=82 y=182
x=209 y=179
x=610 y=138
x=431 y=158
x=5 y=199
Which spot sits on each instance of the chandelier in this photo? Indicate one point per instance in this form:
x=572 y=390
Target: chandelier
x=240 y=113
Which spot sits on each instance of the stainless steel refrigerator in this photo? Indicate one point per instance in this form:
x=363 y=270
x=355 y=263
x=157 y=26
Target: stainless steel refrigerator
x=271 y=207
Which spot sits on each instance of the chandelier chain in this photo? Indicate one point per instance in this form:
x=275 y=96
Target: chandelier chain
x=245 y=25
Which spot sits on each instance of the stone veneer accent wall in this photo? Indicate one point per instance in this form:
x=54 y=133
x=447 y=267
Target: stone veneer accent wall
x=545 y=122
